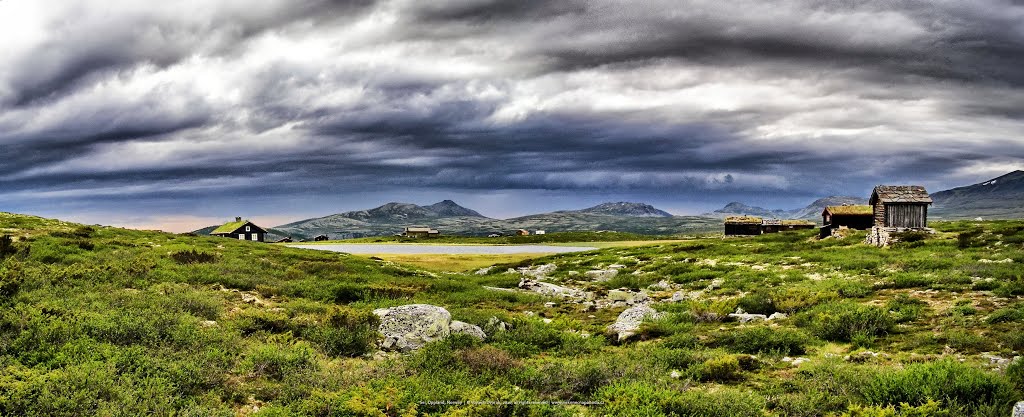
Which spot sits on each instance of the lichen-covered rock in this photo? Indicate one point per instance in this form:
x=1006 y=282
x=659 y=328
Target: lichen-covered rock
x=777 y=316
x=409 y=327
x=539 y=271
x=458 y=327
x=601 y=274
x=550 y=289
x=628 y=322
x=1018 y=410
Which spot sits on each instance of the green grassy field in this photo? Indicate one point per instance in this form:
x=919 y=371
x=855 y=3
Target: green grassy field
x=107 y=321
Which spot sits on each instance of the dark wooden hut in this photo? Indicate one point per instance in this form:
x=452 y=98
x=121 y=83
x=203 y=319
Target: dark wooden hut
x=320 y=238
x=902 y=206
x=854 y=217
x=241 y=230
x=742 y=226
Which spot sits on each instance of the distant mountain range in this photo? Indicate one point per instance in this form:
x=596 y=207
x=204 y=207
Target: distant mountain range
x=997 y=198
x=453 y=219
x=812 y=211
x=1001 y=197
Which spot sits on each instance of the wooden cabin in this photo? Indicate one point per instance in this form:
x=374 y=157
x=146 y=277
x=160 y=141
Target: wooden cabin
x=320 y=238
x=285 y=240
x=776 y=226
x=853 y=217
x=420 y=231
x=241 y=230
x=901 y=206
x=522 y=232
x=742 y=226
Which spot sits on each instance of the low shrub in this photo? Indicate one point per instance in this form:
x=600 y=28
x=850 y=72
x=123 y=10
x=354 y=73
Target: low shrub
x=344 y=332
x=635 y=399
x=1005 y=315
x=719 y=369
x=929 y=409
x=910 y=236
x=488 y=359
x=969 y=239
x=192 y=256
x=842 y=321
x=758 y=302
x=1015 y=373
x=278 y=360
x=763 y=339
x=953 y=383
x=905 y=308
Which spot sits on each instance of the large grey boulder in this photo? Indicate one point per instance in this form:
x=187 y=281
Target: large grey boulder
x=409 y=327
x=458 y=327
x=628 y=322
x=1018 y=410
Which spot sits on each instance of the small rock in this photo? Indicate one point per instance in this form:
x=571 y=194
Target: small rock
x=616 y=266
x=1018 y=409
x=550 y=289
x=675 y=375
x=601 y=274
x=716 y=284
x=619 y=295
x=549 y=304
x=746 y=318
x=208 y=323
x=484 y=271
x=458 y=327
x=546 y=321
x=497 y=324
x=798 y=361
x=629 y=321
x=538 y=272
x=777 y=316
x=679 y=296
x=662 y=285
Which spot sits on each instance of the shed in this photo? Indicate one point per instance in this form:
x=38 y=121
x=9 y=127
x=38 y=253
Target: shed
x=742 y=226
x=523 y=232
x=902 y=206
x=419 y=231
x=851 y=216
x=320 y=238
x=285 y=240
x=241 y=230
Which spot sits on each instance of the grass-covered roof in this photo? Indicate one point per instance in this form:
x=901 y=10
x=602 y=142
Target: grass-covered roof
x=229 y=227
x=851 y=210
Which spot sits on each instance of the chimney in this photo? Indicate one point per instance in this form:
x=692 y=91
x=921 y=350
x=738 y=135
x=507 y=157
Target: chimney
x=238 y=219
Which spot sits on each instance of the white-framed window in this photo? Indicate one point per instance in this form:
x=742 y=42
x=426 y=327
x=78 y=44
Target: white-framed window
x=247 y=228
x=255 y=236
x=241 y=237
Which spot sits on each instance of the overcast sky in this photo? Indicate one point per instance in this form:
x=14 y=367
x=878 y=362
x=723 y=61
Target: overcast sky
x=179 y=114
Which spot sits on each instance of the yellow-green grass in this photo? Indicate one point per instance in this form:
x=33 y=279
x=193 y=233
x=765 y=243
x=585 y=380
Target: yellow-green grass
x=455 y=263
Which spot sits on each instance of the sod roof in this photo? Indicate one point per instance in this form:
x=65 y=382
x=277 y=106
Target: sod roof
x=852 y=210
x=743 y=220
x=229 y=227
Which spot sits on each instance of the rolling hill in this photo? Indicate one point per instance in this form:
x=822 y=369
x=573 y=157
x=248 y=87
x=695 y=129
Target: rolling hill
x=811 y=211
x=452 y=219
x=998 y=198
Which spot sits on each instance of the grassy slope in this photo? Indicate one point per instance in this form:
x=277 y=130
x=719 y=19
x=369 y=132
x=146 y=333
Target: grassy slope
x=105 y=321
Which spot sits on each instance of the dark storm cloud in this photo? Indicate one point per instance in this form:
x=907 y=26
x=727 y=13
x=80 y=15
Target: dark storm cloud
x=130 y=100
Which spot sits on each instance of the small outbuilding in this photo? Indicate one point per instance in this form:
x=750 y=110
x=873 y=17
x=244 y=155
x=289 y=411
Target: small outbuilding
x=742 y=226
x=284 y=240
x=522 y=232
x=420 y=231
x=859 y=217
x=900 y=206
x=241 y=230
x=320 y=238
x=540 y=232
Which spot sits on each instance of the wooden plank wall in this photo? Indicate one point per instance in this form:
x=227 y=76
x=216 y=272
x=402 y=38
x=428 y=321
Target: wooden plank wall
x=906 y=215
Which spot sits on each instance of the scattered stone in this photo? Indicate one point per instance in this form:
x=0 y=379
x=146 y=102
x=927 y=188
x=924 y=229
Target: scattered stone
x=549 y=304
x=458 y=327
x=1018 y=409
x=639 y=298
x=616 y=266
x=546 y=321
x=409 y=327
x=629 y=321
x=600 y=275
x=990 y=261
x=716 y=284
x=662 y=285
x=498 y=289
x=538 y=272
x=208 y=323
x=777 y=316
x=746 y=317
x=496 y=324
x=550 y=289
x=484 y=271
x=675 y=375
x=795 y=361
x=679 y=296
x=861 y=357
x=588 y=305
x=619 y=295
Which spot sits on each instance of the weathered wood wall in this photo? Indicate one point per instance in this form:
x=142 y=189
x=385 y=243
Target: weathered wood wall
x=906 y=215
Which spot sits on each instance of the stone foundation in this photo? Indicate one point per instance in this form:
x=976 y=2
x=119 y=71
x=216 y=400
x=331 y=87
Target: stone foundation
x=882 y=236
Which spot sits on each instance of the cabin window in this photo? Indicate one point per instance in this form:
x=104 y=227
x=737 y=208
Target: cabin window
x=247 y=228
x=255 y=236
x=241 y=237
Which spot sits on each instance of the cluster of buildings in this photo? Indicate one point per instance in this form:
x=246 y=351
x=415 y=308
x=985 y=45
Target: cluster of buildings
x=891 y=208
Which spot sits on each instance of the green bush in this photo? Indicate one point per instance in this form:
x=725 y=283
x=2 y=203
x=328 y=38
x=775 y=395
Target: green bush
x=1015 y=373
x=953 y=383
x=928 y=409
x=842 y=321
x=1005 y=315
x=636 y=399
x=763 y=339
x=969 y=239
x=192 y=256
x=279 y=360
x=905 y=308
x=758 y=302
x=720 y=369
x=344 y=332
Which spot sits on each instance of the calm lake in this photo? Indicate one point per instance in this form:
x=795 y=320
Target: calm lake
x=414 y=249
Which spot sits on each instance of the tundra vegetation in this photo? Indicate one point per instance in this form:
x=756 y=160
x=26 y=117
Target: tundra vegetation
x=106 y=321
